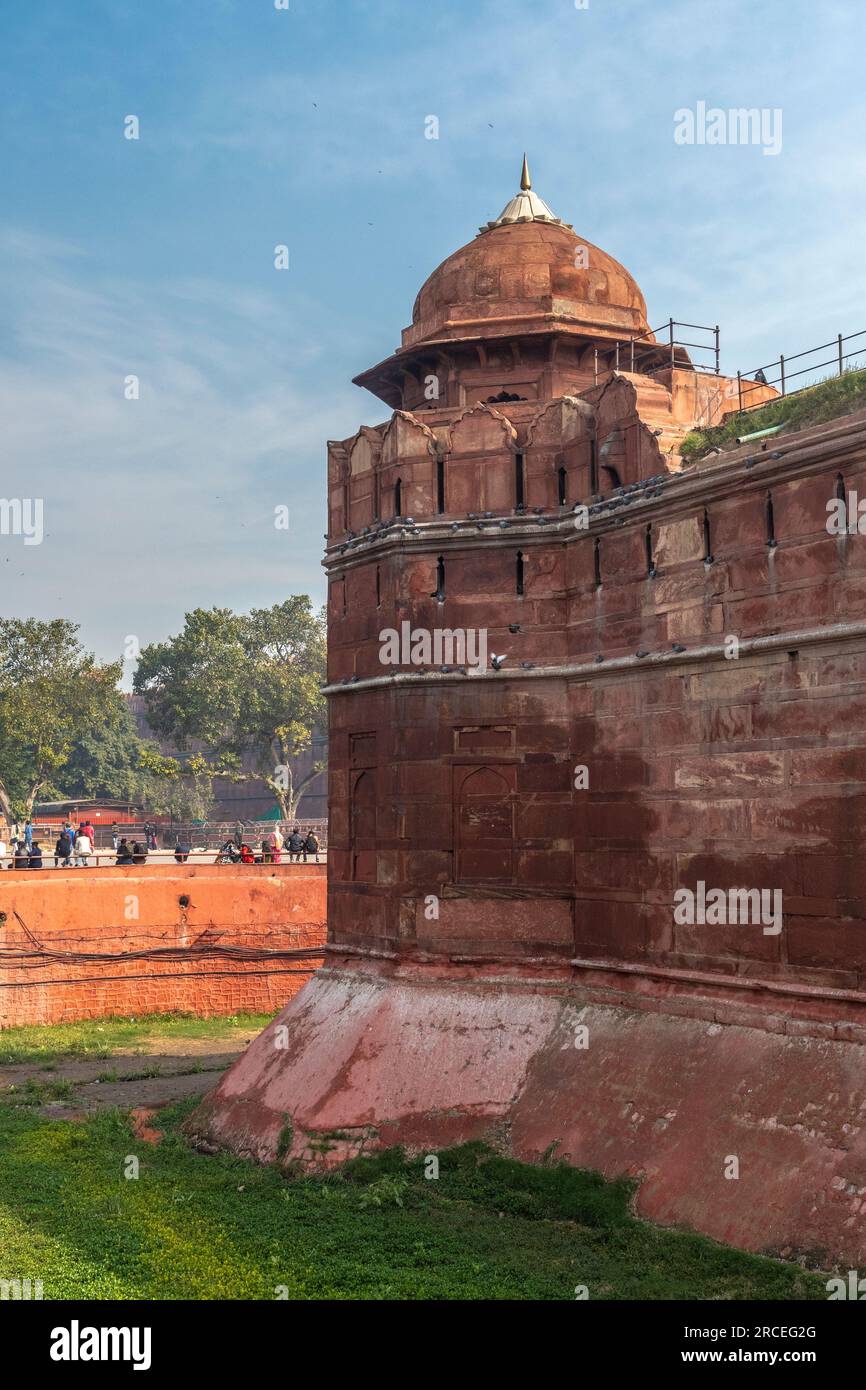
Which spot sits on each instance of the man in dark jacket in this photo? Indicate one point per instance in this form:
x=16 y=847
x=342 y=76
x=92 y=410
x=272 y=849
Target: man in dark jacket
x=35 y=855
x=63 y=850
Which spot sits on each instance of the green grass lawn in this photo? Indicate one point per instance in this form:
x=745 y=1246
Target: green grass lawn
x=101 y=1037
x=197 y=1227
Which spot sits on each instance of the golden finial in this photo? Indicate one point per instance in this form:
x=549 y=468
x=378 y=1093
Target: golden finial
x=525 y=180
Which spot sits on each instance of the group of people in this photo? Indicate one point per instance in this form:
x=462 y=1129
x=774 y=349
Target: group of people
x=74 y=846
x=299 y=845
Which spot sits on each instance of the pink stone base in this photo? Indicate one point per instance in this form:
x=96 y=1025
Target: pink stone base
x=376 y=1054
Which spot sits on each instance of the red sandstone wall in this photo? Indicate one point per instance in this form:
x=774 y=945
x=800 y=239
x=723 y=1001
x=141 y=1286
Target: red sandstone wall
x=748 y=772
x=214 y=966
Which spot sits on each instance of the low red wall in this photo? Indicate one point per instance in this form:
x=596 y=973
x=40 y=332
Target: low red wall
x=204 y=939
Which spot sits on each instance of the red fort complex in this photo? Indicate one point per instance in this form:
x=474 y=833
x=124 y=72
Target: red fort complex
x=597 y=882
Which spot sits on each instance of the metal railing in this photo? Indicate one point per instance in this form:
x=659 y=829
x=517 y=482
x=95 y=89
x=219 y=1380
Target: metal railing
x=747 y=385
x=624 y=348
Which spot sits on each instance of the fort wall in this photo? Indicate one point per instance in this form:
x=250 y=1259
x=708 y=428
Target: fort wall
x=201 y=939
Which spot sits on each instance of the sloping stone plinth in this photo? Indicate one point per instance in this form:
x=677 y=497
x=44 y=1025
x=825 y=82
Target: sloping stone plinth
x=377 y=1054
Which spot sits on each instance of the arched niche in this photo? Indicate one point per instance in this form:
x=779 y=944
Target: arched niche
x=485 y=816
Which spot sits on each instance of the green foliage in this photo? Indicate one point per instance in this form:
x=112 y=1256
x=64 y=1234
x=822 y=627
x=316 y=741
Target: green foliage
x=389 y=1188
x=167 y=786
x=52 y=695
x=219 y=1227
x=105 y=758
x=838 y=395
x=244 y=686
x=286 y=1139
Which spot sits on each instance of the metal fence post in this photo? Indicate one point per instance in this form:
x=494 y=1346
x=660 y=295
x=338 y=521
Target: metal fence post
x=717 y=349
x=671 y=330
x=595 y=366
x=782 y=368
x=841 y=369
x=739 y=390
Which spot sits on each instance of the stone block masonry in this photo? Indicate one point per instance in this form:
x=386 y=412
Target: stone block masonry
x=201 y=939
x=676 y=715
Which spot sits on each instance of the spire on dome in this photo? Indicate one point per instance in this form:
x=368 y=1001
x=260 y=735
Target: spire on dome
x=525 y=206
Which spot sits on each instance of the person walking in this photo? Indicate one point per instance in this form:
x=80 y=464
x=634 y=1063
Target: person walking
x=28 y=835
x=83 y=848
x=239 y=833
x=115 y=838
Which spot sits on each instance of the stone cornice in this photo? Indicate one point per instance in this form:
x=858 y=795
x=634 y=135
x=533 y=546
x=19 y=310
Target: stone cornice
x=615 y=665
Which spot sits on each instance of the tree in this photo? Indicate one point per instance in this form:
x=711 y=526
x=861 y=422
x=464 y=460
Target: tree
x=169 y=786
x=52 y=694
x=106 y=760
x=245 y=689
x=113 y=761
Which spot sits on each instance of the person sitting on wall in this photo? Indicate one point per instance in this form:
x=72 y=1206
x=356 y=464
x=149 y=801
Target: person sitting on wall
x=35 y=855
x=63 y=850
x=83 y=848
x=311 y=846
x=22 y=855
x=296 y=845
x=124 y=853
x=247 y=856
x=139 y=853
x=267 y=852
x=181 y=852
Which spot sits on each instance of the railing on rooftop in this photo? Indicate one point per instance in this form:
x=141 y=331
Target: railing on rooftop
x=746 y=384
x=624 y=349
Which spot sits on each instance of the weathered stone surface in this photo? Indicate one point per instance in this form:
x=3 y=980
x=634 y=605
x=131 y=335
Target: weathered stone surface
x=664 y=1095
x=680 y=701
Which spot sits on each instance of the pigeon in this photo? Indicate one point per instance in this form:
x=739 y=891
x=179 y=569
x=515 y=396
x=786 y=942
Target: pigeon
x=514 y=627
x=759 y=376
x=497 y=662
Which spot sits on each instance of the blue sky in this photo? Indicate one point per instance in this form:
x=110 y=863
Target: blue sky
x=306 y=127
